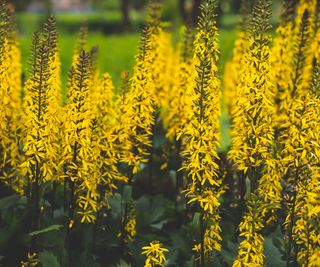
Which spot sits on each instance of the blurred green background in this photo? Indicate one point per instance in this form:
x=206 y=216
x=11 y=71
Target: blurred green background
x=114 y=25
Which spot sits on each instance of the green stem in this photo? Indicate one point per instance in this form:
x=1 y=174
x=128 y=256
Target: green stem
x=202 y=233
x=292 y=220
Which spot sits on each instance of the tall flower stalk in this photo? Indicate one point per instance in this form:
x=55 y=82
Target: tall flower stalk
x=10 y=102
x=201 y=136
x=135 y=133
x=40 y=114
x=234 y=66
x=301 y=145
x=252 y=140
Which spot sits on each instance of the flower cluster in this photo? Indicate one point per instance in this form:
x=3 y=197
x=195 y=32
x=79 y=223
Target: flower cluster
x=201 y=134
x=155 y=254
x=275 y=139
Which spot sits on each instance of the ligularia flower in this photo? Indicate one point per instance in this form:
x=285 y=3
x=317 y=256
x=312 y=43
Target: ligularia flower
x=81 y=173
x=177 y=111
x=39 y=144
x=250 y=252
x=155 y=254
x=201 y=134
x=234 y=66
x=253 y=137
x=252 y=131
x=10 y=102
x=138 y=118
x=301 y=143
x=93 y=146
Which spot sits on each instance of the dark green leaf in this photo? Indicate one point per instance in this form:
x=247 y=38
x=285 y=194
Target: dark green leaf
x=47 y=259
x=122 y=263
x=273 y=255
x=196 y=220
x=55 y=227
x=127 y=193
x=9 y=201
x=150 y=210
x=229 y=253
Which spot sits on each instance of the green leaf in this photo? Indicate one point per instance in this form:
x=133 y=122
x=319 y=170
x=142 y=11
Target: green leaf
x=151 y=210
x=229 y=253
x=159 y=225
x=47 y=259
x=127 y=193
x=214 y=261
x=9 y=201
x=54 y=227
x=122 y=263
x=196 y=220
x=277 y=240
x=191 y=262
x=86 y=260
x=115 y=203
x=273 y=255
x=248 y=188
x=17 y=223
x=182 y=241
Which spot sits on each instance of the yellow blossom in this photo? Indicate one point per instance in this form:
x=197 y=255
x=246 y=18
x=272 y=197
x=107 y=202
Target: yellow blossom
x=155 y=254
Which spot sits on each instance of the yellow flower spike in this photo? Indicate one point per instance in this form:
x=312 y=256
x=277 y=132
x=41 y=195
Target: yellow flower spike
x=10 y=102
x=137 y=118
x=250 y=251
x=309 y=6
x=105 y=151
x=82 y=172
x=299 y=139
x=94 y=143
x=54 y=98
x=40 y=110
x=233 y=67
x=200 y=135
x=253 y=149
x=41 y=129
x=177 y=112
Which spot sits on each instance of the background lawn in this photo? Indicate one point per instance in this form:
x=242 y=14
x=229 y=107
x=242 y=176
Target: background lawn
x=116 y=50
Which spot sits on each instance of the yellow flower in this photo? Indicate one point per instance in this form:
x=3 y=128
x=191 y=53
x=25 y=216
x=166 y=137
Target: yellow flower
x=252 y=131
x=138 y=113
x=155 y=254
x=253 y=149
x=250 y=251
x=81 y=171
x=315 y=258
x=233 y=67
x=282 y=50
x=201 y=133
x=106 y=153
x=176 y=112
x=10 y=102
x=31 y=262
x=301 y=145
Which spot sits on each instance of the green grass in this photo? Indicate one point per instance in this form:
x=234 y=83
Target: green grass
x=116 y=52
